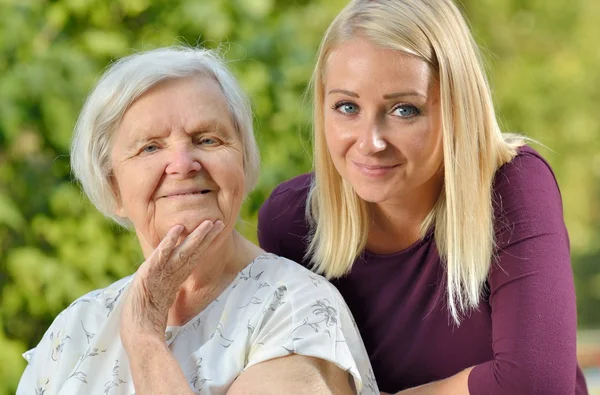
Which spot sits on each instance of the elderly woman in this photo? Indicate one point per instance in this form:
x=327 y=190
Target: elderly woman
x=164 y=144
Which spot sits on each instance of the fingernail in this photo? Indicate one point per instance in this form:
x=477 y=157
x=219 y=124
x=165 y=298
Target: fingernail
x=219 y=225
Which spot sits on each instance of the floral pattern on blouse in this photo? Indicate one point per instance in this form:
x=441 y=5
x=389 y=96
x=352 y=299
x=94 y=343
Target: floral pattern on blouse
x=273 y=308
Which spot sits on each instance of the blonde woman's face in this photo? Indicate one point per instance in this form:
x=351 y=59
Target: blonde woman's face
x=177 y=159
x=382 y=121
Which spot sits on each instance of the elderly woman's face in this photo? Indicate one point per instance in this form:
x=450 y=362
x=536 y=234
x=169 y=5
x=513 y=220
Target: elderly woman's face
x=177 y=159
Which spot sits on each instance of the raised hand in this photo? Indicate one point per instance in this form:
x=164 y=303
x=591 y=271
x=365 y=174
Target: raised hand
x=155 y=285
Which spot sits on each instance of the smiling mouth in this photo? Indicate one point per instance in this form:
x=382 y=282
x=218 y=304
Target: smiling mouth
x=374 y=167
x=202 y=192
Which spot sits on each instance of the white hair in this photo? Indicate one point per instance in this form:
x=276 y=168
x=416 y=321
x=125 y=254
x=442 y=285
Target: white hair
x=125 y=81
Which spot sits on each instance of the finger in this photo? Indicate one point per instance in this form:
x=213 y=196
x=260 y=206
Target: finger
x=168 y=243
x=149 y=296
x=199 y=241
x=194 y=246
x=204 y=237
x=177 y=266
x=165 y=248
x=152 y=266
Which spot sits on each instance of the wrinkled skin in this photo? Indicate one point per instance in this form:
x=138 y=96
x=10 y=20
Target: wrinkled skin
x=158 y=279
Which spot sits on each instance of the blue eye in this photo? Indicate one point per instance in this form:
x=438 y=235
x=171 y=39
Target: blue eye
x=406 y=111
x=208 y=141
x=346 y=108
x=150 y=148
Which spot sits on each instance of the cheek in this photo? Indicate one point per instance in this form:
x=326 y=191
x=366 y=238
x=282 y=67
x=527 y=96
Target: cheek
x=422 y=144
x=418 y=147
x=145 y=185
x=337 y=137
x=240 y=185
x=229 y=174
x=434 y=146
x=137 y=185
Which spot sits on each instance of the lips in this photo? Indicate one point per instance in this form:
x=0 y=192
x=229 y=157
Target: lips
x=375 y=171
x=185 y=192
x=374 y=167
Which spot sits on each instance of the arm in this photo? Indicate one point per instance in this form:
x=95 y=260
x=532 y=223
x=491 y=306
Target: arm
x=145 y=310
x=294 y=374
x=454 y=385
x=531 y=293
x=532 y=296
x=589 y=357
x=154 y=369
x=306 y=334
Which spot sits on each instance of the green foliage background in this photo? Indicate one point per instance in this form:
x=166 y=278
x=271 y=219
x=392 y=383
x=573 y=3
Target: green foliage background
x=542 y=56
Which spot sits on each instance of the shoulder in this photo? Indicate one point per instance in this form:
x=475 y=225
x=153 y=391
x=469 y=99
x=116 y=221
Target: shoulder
x=304 y=314
x=284 y=287
x=289 y=289
x=282 y=222
x=68 y=339
x=99 y=302
x=526 y=198
x=277 y=273
x=298 y=185
x=81 y=317
x=526 y=173
x=288 y=292
x=287 y=199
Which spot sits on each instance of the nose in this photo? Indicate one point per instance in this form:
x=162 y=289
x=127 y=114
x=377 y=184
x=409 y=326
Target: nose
x=371 y=141
x=183 y=161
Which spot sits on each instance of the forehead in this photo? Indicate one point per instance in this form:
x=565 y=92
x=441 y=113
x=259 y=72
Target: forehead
x=186 y=103
x=358 y=60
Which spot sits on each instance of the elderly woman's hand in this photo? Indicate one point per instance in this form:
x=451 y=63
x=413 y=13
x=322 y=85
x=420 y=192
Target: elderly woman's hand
x=147 y=303
x=158 y=279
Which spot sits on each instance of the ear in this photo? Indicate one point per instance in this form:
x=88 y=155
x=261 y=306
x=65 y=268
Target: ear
x=119 y=210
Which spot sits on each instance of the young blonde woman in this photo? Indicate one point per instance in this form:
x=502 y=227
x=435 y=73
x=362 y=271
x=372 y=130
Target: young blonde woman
x=445 y=236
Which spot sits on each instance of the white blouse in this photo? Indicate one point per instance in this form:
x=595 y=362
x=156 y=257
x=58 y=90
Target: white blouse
x=274 y=307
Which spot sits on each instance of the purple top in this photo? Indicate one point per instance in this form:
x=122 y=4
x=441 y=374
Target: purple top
x=523 y=335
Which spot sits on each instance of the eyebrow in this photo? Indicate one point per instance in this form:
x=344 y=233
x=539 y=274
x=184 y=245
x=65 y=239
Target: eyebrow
x=212 y=125
x=388 y=96
x=403 y=94
x=138 y=141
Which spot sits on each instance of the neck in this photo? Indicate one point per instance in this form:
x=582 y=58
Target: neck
x=396 y=225
x=221 y=259
x=213 y=274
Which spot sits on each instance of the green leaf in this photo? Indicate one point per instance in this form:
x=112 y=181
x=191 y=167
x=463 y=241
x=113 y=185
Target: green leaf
x=10 y=214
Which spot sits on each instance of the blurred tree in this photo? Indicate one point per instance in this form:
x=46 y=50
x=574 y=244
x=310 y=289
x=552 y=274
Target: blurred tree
x=54 y=246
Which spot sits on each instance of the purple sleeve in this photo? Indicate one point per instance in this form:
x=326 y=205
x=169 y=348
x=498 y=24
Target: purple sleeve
x=532 y=295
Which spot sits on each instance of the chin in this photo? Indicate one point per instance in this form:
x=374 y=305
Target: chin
x=378 y=191
x=370 y=196
x=189 y=221
x=192 y=223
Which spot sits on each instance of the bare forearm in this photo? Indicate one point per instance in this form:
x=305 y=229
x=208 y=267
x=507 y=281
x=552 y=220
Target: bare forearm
x=453 y=385
x=154 y=369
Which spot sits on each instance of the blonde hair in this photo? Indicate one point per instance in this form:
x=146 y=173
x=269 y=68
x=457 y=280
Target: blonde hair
x=124 y=82
x=473 y=146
